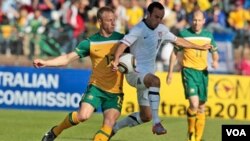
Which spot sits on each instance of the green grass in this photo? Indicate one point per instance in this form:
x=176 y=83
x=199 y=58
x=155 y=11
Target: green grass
x=25 y=125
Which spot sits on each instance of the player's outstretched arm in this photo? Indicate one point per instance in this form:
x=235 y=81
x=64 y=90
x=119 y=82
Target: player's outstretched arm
x=56 y=62
x=119 y=51
x=181 y=42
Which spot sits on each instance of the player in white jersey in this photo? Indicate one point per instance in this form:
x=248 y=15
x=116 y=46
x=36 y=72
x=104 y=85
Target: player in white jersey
x=144 y=41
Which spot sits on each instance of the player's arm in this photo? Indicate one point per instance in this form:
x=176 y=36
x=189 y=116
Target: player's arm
x=172 y=61
x=215 y=54
x=215 y=58
x=56 y=62
x=119 y=51
x=181 y=42
x=126 y=42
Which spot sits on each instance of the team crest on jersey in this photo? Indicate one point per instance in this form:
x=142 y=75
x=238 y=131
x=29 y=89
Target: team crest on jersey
x=90 y=97
x=160 y=34
x=191 y=90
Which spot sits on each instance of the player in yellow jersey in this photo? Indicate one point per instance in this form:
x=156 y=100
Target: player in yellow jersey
x=105 y=86
x=195 y=74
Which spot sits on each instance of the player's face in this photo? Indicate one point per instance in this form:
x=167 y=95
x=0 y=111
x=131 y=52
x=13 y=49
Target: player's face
x=155 y=18
x=107 y=22
x=198 y=22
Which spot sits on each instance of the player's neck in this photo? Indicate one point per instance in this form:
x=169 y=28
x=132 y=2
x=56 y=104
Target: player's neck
x=147 y=23
x=105 y=34
x=197 y=31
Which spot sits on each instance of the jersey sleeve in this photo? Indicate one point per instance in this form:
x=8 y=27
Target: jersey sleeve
x=132 y=36
x=169 y=37
x=83 y=49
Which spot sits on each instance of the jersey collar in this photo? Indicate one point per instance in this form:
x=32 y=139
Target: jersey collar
x=144 y=20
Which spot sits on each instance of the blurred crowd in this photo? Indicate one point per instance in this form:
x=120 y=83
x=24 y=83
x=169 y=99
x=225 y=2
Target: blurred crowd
x=48 y=28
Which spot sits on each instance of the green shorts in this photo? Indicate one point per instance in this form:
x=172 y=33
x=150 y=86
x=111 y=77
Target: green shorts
x=195 y=82
x=97 y=97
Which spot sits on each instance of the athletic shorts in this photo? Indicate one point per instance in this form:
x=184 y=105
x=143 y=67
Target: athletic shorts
x=98 y=97
x=195 y=82
x=136 y=80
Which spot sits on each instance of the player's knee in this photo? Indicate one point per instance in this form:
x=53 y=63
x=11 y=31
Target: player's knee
x=155 y=82
x=151 y=80
x=83 y=117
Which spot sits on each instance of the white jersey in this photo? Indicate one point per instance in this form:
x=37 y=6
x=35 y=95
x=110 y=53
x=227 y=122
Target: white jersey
x=144 y=44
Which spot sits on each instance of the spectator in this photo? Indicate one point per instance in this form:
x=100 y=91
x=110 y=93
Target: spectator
x=134 y=13
x=77 y=23
x=46 y=7
x=120 y=12
x=180 y=17
x=169 y=18
x=244 y=64
x=218 y=24
x=6 y=29
x=36 y=22
x=237 y=19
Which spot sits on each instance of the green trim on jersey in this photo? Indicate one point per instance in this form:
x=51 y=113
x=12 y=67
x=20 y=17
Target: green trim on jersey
x=83 y=49
x=188 y=33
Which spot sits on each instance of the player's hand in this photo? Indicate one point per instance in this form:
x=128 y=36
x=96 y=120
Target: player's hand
x=114 y=65
x=215 y=64
x=169 y=78
x=38 y=63
x=207 y=46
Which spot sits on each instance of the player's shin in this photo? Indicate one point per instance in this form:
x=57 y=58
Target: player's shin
x=69 y=121
x=154 y=100
x=133 y=119
x=191 y=119
x=200 y=125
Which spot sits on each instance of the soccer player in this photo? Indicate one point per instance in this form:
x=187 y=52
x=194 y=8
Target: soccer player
x=144 y=41
x=105 y=86
x=195 y=74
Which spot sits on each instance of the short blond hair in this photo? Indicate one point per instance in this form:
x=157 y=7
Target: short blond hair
x=102 y=10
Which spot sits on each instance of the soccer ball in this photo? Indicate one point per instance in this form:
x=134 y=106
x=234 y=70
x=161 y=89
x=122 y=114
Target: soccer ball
x=127 y=63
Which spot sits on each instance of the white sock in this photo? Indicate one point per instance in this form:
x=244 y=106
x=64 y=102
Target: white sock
x=132 y=120
x=154 y=100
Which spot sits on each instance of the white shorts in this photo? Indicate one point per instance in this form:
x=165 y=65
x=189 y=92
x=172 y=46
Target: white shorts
x=136 y=80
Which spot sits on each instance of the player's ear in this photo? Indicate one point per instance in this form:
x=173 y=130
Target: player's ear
x=204 y=20
x=147 y=14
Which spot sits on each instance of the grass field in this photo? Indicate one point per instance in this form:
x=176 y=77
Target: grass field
x=25 y=125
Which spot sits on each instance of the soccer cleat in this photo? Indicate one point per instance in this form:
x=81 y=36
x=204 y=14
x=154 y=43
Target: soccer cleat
x=158 y=129
x=49 y=136
x=191 y=137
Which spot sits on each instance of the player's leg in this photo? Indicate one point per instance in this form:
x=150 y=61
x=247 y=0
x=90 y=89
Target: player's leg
x=144 y=115
x=70 y=120
x=152 y=82
x=111 y=105
x=87 y=106
x=189 y=79
x=134 y=119
x=201 y=118
x=104 y=133
x=200 y=122
x=191 y=116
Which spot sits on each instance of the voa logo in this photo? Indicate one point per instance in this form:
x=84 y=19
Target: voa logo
x=236 y=132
